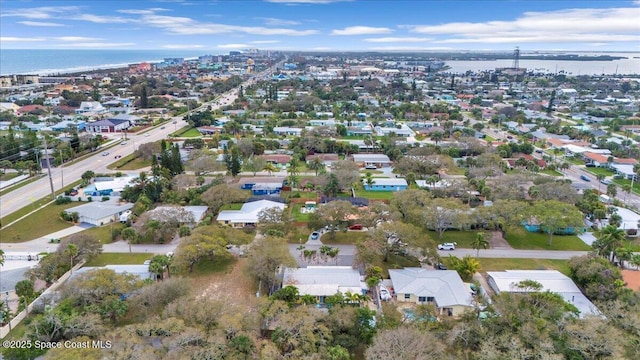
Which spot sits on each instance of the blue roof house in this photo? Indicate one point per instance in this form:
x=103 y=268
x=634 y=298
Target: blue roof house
x=380 y=184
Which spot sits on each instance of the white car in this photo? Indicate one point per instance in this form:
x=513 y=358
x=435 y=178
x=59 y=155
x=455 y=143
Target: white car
x=447 y=246
x=385 y=295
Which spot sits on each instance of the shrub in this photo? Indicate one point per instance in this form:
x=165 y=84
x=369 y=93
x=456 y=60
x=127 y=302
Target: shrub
x=89 y=199
x=184 y=231
x=105 y=198
x=60 y=200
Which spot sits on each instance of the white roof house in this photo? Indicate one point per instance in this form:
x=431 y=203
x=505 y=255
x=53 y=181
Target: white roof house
x=184 y=214
x=371 y=158
x=99 y=213
x=445 y=287
x=116 y=184
x=389 y=182
x=141 y=271
x=440 y=184
x=248 y=214
x=324 y=280
x=551 y=280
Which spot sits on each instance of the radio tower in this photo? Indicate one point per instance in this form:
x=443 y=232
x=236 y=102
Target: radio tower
x=516 y=58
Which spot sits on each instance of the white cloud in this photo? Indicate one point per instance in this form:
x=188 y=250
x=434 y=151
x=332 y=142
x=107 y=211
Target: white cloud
x=76 y=38
x=41 y=24
x=141 y=11
x=233 y=46
x=187 y=26
x=397 y=40
x=279 y=22
x=101 y=19
x=570 y=25
x=20 y=39
x=44 y=12
x=361 y=30
x=306 y=1
x=265 y=42
x=183 y=46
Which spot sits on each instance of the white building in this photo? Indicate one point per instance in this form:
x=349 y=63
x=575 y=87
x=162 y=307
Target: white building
x=551 y=280
x=323 y=281
x=248 y=214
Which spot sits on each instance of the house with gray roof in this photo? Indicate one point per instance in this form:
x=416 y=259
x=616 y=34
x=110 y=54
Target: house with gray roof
x=99 y=213
x=248 y=213
x=442 y=288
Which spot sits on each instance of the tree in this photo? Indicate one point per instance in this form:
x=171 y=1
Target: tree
x=223 y=194
x=346 y=172
x=316 y=164
x=144 y=101
x=410 y=204
x=608 y=240
x=274 y=219
x=405 y=343
x=334 y=214
x=265 y=257
x=204 y=243
x=255 y=164
x=1 y=257
x=612 y=190
x=442 y=214
x=598 y=279
x=71 y=251
x=466 y=267
x=393 y=237
x=270 y=168
x=479 y=242
x=332 y=187
x=233 y=160
x=159 y=265
x=554 y=216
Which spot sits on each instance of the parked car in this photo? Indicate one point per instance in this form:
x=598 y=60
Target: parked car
x=73 y=192
x=585 y=178
x=123 y=143
x=447 y=246
x=590 y=165
x=162 y=128
x=355 y=227
x=371 y=167
x=147 y=262
x=315 y=235
x=606 y=181
x=440 y=266
x=105 y=153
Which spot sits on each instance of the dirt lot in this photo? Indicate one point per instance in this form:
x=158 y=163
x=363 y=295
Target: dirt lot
x=234 y=285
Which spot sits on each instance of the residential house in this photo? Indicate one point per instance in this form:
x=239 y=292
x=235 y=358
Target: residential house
x=551 y=280
x=285 y=130
x=323 y=281
x=93 y=107
x=442 y=288
x=66 y=125
x=248 y=214
x=99 y=213
x=108 y=186
x=187 y=215
x=378 y=160
x=108 y=126
x=327 y=159
x=385 y=184
x=279 y=160
x=141 y=271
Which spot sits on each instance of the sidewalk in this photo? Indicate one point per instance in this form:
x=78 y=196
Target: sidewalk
x=42 y=244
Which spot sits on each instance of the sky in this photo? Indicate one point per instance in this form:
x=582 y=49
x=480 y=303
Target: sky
x=321 y=25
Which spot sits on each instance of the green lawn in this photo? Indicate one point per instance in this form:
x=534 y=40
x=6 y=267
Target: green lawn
x=573 y=160
x=236 y=206
x=119 y=259
x=297 y=215
x=550 y=172
x=190 y=133
x=373 y=172
x=129 y=162
x=21 y=184
x=344 y=238
x=375 y=195
x=522 y=239
x=40 y=223
x=395 y=262
x=636 y=186
x=600 y=171
x=221 y=264
x=490 y=264
x=9 y=176
x=104 y=232
x=462 y=238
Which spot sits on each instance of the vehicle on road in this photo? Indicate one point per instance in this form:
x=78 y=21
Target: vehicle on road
x=315 y=235
x=539 y=151
x=123 y=143
x=147 y=135
x=606 y=181
x=585 y=178
x=355 y=227
x=447 y=246
x=117 y=156
x=147 y=262
x=162 y=128
x=106 y=153
x=590 y=165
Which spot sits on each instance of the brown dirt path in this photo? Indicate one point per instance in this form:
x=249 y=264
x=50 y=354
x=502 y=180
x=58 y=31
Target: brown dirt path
x=497 y=242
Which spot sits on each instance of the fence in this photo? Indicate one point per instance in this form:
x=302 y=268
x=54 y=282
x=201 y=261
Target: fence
x=5 y=330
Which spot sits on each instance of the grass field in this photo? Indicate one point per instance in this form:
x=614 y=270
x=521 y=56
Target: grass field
x=9 y=176
x=462 y=238
x=375 y=195
x=297 y=215
x=395 y=262
x=20 y=184
x=550 y=172
x=522 y=239
x=237 y=206
x=223 y=264
x=573 y=160
x=190 y=133
x=40 y=223
x=600 y=171
x=119 y=259
x=344 y=238
x=523 y=264
x=104 y=232
x=129 y=162
x=636 y=186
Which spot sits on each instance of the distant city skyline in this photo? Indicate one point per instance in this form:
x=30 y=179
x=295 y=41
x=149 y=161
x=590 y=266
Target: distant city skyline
x=322 y=25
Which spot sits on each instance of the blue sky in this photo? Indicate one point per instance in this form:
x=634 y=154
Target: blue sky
x=221 y=26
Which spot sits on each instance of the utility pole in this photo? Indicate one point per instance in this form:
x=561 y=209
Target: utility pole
x=53 y=192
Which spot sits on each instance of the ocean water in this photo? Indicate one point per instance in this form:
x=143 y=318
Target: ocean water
x=46 y=62
x=628 y=66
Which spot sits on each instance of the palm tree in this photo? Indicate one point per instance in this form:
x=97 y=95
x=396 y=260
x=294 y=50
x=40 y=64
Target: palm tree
x=479 y=242
x=635 y=261
x=1 y=257
x=624 y=254
x=627 y=189
x=468 y=267
x=608 y=240
x=270 y=168
x=293 y=167
x=368 y=179
x=600 y=177
x=71 y=251
x=316 y=164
